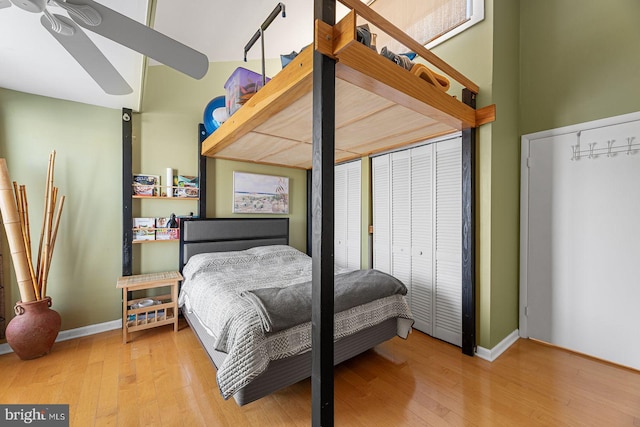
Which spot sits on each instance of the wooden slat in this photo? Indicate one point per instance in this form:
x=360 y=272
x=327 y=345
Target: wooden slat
x=257 y=146
x=393 y=142
x=486 y=115
x=386 y=26
x=363 y=67
x=387 y=123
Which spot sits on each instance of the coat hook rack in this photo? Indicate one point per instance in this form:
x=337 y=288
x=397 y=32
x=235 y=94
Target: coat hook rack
x=631 y=147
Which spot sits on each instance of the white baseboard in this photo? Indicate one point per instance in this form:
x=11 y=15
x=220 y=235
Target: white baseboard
x=495 y=352
x=77 y=333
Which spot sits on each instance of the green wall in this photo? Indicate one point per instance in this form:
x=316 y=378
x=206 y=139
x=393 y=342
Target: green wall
x=580 y=62
x=86 y=261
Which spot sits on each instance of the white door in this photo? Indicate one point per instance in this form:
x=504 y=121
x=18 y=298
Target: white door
x=401 y=217
x=381 y=190
x=422 y=241
x=579 y=281
x=347 y=215
x=447 y=317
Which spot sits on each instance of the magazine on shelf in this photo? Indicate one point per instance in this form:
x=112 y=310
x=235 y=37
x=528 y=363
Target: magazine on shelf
x=145 y=185
x=144 y=229
x=168 y=234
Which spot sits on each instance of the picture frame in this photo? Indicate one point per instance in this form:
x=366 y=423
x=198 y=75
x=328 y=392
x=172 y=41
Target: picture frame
x=146 y=185
x=260 y=194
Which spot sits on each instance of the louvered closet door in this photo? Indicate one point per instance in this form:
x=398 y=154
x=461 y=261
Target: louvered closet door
x=448 y=241
x=354 y=214
x=422 y=238
x=347 y=215
x=340 y=217
x=401 y=217
x=380 y=167
x=417 y=220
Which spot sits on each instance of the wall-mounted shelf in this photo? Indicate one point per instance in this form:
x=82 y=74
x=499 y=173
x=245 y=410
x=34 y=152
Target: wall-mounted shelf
x=139 y=242
x=166 y=198
x=128 y=194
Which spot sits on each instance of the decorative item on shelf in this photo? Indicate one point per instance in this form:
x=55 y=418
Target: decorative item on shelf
x=169 y=182
x=215 y=113
x=167 y=228
x=32 y=332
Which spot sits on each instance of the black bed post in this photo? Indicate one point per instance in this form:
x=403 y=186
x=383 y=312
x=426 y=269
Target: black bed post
x=468 y=233
x=127 y=192
x=309 y=211
x=202 y=173
x=324 y=85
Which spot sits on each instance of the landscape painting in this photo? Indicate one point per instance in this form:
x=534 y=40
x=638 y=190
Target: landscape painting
x=255 y=193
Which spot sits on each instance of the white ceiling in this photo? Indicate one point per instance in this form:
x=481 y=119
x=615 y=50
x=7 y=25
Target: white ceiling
x=32 y=61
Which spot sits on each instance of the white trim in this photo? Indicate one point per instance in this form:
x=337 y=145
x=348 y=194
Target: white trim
x=524 y=195
x=77 y=333
x=524 y=234
x=496 y=351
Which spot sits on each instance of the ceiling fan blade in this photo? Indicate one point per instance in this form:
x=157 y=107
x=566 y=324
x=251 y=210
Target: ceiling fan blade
x=142 y=39
x=89 y=57
x=4 y=3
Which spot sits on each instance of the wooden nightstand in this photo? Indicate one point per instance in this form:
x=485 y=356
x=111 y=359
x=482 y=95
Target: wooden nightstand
x=151 y=311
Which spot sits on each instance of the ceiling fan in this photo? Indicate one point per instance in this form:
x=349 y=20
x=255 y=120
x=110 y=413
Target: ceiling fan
x=121 y=29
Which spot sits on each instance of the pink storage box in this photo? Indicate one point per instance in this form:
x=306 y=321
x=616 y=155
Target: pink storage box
x=241 y=86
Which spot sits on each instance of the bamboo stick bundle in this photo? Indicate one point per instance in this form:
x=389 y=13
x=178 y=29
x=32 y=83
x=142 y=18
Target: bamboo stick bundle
x=52 y=243
x=44 y=235
x=12 y=224
x=23 y=212
x=46 y=247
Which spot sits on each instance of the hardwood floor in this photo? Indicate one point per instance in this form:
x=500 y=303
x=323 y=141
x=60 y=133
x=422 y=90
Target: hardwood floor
x=166 y=379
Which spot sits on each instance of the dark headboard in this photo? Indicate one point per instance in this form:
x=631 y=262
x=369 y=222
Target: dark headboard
x=229 y=234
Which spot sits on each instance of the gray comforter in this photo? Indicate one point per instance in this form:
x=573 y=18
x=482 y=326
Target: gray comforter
x=211 y=291
x=282 y=308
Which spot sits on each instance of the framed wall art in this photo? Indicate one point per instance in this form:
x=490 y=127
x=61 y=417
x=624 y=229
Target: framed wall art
x=255 y=193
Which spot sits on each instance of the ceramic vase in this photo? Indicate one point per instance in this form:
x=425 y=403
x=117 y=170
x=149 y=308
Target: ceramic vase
x=32 y=332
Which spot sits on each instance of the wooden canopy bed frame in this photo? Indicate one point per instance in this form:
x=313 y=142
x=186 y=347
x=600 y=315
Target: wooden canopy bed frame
x=337 y=100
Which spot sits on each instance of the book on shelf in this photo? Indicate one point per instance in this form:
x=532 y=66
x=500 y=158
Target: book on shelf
x=146 y=185
x=144 y=234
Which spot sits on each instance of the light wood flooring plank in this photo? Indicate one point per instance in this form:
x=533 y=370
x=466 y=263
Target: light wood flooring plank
x=166 y=379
